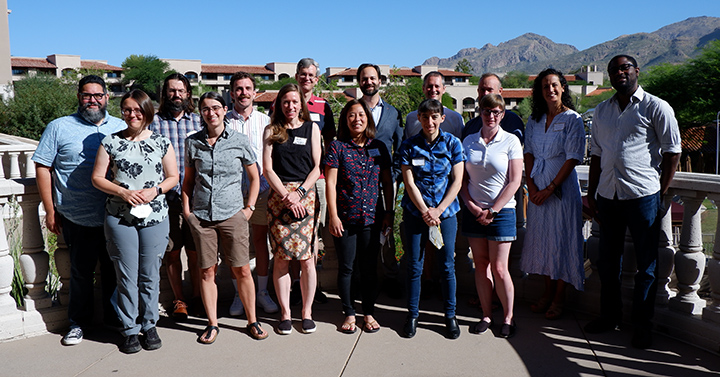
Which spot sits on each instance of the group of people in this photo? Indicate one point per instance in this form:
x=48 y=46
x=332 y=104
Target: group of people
x=170 y=180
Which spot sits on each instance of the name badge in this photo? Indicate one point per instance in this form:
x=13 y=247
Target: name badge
x=300 y=140
x=418 y=161
x=559 y=126
x=314 y=117
x=374 y=152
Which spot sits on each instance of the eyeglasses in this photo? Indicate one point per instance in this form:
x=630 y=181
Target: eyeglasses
x=127 y=112
x=621 y=68
x=98 y=96
x=215 y=108
x=495 y=113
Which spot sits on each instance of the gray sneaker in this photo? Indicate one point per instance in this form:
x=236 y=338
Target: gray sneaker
x=265 y=302
x=73 y=337
x=237 y=309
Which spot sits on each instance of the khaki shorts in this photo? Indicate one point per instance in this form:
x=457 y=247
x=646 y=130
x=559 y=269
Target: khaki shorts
x=180 y=234
x=234 y=236
x=259 y=216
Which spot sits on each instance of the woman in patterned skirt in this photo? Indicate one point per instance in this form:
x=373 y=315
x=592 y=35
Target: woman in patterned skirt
x=554 y=144
x=142 y=167
x=291 y=161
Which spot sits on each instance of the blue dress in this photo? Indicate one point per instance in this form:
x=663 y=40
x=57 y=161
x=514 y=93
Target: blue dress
x=553 y=243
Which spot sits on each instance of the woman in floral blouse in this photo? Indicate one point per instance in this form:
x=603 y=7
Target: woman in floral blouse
x=135 y=167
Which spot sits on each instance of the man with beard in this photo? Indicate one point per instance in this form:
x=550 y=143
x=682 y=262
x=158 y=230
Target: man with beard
x=176 y=120
x=64 y=161
x=388 y=126
x=250 y=122
x=433 y=88
x=635 y=151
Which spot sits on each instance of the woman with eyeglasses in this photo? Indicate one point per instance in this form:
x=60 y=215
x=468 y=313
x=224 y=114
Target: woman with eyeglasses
x=213 y=206
x=493 y=173
x=135 y=167
x=291 y=164
x=554 y=144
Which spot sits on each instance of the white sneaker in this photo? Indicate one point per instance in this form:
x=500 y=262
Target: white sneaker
x=237 y=309
x=73 y=337
x=265 y=302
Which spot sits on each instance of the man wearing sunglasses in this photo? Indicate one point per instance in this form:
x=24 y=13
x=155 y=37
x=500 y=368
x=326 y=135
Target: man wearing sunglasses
x=64 y=161
x=635 y=152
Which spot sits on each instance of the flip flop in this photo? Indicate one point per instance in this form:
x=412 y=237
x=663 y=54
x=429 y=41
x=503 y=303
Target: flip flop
x=348 y=327
x=208 y=331
x=370 y=326
x=256 y=331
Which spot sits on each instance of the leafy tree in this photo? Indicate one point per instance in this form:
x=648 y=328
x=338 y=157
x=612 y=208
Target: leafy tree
x=587 y=103
x=403 y=96
x=328 y=90
x=275 y=85
x=38 y=100
x=464 y=66
x=690 y=88
x=474 y=80
x=515 y=79
x=145 y=72
x=524 y=109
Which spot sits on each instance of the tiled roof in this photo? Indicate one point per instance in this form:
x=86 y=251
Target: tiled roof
x=267 y=96
x=449 y=73
x=598 y=92
x=404 y=72
x=31 y=63
x=347 y=72
x=230 y=69
x=90 y=64
x=516 y=92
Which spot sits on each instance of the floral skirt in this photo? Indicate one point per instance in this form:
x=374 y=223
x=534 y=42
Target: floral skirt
x=290 y=238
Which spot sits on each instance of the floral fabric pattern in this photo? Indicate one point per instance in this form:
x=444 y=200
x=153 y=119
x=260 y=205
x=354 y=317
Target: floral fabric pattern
x=291 y=239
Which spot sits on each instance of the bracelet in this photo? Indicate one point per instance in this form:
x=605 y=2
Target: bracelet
x=158 y=190
x=302 y=191
x=552 y=186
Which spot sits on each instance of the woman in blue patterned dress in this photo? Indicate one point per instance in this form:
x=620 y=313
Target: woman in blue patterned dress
x=142 y=167
x=554 y=144
x=354 y=165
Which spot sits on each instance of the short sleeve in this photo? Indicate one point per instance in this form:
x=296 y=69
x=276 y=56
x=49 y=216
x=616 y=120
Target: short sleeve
x=188 y=151
x=107 y=143
x=515 y=151
x=575 y=138
x=48 y=146
x=529 y=138
x=456 y=149
x=332 y=158
x=405 y=152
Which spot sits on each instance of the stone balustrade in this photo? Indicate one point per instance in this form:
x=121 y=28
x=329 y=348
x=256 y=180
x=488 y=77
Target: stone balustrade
x=680 y=311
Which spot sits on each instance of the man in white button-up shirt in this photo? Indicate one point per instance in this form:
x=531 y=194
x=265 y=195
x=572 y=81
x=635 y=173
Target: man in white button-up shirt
x=635 y=151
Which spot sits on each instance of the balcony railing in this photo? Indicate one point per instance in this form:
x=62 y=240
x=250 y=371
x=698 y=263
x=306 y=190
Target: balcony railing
x=680 y=311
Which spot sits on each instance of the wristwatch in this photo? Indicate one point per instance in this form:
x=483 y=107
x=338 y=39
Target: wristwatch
x=252 y=208
x=158 y=190
x=492 y=212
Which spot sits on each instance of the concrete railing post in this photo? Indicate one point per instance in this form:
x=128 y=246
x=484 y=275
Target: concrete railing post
x=34 y=259
x=712 y=312
x=690 y=260
x=666 y=255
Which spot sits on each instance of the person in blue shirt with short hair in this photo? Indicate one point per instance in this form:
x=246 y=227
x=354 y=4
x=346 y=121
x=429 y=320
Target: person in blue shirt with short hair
x=432 y=168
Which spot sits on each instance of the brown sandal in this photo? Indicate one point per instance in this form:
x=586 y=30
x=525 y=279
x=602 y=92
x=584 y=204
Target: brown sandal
x=256 y=331
x=203 y=338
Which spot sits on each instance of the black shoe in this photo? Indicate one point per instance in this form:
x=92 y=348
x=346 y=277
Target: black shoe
x=453 y=330
x=481 y=327
x=295 y=294
x=642 y=338
x=601 y=325
x=410 y=327
x=150 y=339
x=320 y=297
x=508 y=331
x=131 y=344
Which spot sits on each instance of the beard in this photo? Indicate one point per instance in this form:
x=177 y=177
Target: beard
x=92 y=115
x=366 y=91
x=177 y=105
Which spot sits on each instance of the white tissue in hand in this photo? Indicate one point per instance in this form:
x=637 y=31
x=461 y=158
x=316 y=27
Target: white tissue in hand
x=142 y=211
x=436 y=237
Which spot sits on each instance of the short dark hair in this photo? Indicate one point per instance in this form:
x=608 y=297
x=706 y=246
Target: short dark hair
x=431 y=106
x=190 y=106
x=211 y=95
x=145 y=103
x=628 y=57
x=433 y=74
x=365 y=65
x=343 y=131
x=239 y=76
x=539 y=106
x=91 y=79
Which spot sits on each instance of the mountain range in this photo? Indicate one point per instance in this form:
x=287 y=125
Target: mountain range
x=531 y=53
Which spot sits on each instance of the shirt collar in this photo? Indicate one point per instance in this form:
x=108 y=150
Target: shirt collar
x=636 y=97
x=104 y=121
x=235 y=115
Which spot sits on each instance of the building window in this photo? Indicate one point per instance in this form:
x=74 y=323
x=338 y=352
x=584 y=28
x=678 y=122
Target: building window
x=191 y=76
x=265 y=77
x=459 y=79
x=18 y=72
x=348 y=78
x=112 y=75
x=116 y=88
x=209 y=76
x=227 y=77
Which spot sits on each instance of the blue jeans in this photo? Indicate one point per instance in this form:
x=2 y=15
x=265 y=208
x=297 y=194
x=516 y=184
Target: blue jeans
x=87 y=247
x=416 y=233
x=640 y=216
x=137 y=253
x=357 y=252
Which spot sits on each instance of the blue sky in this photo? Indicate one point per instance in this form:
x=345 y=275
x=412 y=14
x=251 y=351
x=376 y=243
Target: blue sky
x=335 y=33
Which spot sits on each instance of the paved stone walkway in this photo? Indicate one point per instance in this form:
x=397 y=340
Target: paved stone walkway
x=540 y=348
